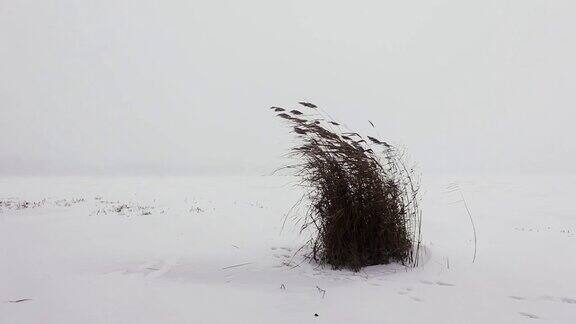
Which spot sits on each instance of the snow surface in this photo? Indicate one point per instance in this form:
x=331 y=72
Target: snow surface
x=212 y=250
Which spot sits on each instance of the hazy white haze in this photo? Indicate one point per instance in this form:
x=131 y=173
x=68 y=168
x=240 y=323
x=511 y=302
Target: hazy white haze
x=183 y=87
x=137 y=151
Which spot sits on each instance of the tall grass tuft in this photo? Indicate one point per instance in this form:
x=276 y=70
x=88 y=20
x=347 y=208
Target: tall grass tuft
x=363 y=197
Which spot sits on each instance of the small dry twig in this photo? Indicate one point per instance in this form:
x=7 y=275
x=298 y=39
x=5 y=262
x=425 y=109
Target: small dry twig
x=237 y=265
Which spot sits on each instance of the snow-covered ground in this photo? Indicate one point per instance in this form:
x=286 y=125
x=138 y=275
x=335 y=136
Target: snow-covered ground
x=212 y=250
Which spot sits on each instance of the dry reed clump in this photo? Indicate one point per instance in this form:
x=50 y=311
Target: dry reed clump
x=363 y=198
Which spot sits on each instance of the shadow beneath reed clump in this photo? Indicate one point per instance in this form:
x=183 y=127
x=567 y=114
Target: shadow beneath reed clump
x=363 y=197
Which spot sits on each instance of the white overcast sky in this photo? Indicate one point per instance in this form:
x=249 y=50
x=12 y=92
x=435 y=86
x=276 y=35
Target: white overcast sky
x=183 y=87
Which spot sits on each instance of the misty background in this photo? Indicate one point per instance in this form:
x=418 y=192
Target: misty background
x=183 y=87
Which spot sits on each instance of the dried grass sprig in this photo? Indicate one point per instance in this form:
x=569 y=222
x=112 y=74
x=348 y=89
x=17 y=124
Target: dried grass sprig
x=363 y=199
